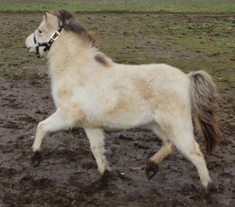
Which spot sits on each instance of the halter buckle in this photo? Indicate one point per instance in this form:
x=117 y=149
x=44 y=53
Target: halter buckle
x=55 y=36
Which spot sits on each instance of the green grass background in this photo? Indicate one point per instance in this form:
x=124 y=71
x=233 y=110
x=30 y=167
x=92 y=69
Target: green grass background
x=119 y=5
x=187 y=40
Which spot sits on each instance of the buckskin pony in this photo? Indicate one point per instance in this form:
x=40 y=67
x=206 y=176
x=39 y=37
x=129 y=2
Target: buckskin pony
x=93 y=92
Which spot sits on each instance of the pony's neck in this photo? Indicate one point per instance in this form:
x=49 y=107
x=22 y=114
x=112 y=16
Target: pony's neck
x=65 y=51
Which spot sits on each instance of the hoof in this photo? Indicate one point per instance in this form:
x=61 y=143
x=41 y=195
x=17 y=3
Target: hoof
x=105 y=177
x=151 y=169
x=210 y=189
x=36 y=158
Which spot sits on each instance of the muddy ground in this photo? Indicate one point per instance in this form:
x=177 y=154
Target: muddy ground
x=67 y=175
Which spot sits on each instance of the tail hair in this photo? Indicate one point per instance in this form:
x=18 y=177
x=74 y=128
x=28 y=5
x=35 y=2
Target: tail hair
x=205 y=100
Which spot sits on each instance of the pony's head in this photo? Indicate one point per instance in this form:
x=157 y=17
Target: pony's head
x=43 y=37
x=50 y=28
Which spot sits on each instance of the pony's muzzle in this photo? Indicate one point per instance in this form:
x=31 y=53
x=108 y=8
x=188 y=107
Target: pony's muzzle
x=29 y=43
x=29 y=49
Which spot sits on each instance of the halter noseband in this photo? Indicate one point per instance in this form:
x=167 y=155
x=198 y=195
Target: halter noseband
x=48 y=44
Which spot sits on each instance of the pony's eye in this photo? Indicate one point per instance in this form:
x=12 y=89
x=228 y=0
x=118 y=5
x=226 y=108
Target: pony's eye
x=39 y=31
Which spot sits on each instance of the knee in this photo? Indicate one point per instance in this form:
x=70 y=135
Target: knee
x=41 y=128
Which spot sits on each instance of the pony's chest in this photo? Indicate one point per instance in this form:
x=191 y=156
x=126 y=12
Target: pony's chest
x=61 y=94
x=69 y=94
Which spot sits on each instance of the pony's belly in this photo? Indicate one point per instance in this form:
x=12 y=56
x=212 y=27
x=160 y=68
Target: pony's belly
x=124 y=120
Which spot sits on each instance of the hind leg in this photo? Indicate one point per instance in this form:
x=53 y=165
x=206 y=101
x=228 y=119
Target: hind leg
x=190 y=148
x=155 y=160
x=179 y=130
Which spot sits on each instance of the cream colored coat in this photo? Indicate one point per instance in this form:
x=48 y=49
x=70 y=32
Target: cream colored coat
x=93 y=92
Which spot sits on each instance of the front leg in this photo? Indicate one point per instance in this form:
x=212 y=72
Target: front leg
x=96 y=139
x=55 y=122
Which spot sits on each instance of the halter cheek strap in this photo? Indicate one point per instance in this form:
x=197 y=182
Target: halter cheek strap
x=48 y=44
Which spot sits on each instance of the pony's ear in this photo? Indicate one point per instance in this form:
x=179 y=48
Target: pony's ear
x=45 y=14
x=49 y=17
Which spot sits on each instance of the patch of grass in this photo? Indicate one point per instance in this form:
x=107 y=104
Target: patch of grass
x=121 y=5
x=187 y=41
x=115 y=150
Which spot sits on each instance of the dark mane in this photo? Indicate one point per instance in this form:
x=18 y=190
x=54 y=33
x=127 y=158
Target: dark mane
x=70 y=24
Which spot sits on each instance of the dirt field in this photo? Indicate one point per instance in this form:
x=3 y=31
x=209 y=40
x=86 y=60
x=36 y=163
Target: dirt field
x=67 y=175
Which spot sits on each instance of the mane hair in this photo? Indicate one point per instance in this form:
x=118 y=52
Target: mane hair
x=70 y=24
x=101 y=59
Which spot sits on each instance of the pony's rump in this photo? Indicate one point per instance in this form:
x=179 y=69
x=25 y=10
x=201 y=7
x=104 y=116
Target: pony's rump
x=205 y=99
